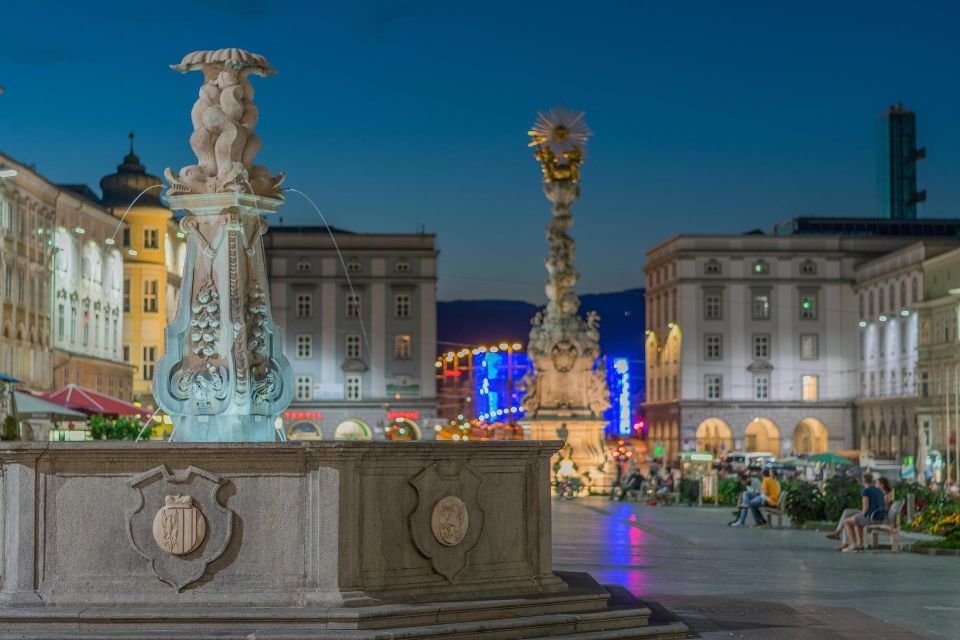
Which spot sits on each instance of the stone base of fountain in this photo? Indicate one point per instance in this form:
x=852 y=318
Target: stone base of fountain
x=295 y=540
x=586 y=438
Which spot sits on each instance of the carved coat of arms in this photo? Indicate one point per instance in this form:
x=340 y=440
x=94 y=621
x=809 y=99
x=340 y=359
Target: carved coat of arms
x=177 y=522
x=448 y=520
x=179 y=527
x=564 y=355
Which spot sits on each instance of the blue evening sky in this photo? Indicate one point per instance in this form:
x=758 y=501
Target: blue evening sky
x=713 y=116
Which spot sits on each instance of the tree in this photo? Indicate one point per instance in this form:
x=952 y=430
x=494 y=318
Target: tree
x=10 y=429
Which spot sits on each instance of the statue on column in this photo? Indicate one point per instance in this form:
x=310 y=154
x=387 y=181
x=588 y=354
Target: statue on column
x=568 y=384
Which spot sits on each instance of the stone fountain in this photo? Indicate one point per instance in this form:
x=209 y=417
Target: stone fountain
x=226 y=533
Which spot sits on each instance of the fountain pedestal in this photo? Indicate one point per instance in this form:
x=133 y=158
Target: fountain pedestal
x=223 y=376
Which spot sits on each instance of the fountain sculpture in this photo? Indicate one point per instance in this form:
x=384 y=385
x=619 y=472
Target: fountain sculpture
x=223 y=376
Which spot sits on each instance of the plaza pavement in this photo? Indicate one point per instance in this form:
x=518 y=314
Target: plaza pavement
x=725 y=582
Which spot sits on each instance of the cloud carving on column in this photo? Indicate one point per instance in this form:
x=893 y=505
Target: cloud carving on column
x=224 y=118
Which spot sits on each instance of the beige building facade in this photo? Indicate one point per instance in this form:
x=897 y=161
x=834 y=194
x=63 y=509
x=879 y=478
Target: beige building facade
x=28 y=205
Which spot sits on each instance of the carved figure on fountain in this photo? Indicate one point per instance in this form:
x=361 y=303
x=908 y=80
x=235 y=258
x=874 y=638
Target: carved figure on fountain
x=224 y=118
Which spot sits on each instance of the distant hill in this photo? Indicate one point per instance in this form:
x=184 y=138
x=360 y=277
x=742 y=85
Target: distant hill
x=483 y=322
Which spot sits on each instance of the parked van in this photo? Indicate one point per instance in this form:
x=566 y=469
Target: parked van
x=754 y=460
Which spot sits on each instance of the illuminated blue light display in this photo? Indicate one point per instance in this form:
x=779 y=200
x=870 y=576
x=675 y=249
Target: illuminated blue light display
x=620 y=413
x=496 y=377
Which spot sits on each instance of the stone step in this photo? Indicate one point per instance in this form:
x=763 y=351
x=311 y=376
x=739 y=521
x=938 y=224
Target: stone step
x=597 y=626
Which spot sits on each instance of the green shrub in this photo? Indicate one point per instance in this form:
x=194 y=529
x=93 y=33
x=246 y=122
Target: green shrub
x=804 y=502
x=840 y=493
x=123 y=428
x=729 y=491
x=689 y=490
x=10 y=429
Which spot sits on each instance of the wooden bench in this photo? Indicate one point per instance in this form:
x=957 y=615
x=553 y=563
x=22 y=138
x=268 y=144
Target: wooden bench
x=890 y=525
x=779 y=511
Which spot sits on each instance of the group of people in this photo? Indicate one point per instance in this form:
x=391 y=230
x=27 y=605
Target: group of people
x=660 y=484
x=875 y=498
x=756 y=493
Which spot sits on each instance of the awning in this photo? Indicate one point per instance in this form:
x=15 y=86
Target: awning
x=29 y=405
x=93 y=402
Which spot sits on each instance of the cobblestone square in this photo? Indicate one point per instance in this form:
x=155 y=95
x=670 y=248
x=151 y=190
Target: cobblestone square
x=726 y=582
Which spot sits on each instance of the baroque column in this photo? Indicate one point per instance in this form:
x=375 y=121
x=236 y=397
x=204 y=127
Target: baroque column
x=223 y=376
x=567 y=393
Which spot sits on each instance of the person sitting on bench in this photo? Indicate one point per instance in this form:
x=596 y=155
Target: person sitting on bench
x=769 y=496
x=873 y=510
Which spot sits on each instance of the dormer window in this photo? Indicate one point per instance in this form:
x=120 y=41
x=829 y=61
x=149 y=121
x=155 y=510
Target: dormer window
x=711 y=268
x=808 y=268
x=761 y=268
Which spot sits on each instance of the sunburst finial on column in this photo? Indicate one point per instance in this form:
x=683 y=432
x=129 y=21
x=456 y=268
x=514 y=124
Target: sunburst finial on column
x=560 y=137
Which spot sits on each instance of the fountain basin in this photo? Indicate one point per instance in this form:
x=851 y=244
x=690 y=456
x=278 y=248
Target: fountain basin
x=287 y=524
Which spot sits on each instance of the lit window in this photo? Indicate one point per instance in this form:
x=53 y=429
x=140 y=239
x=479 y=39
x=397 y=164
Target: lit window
x=712 y=306
x=808 y=306
x=304 y=346
x=304 y=305
x=352 y=309
x=302 y=387
x=809 y=346
x=353 y=346
x=151 y=238
x=401 y=305
x=713 y=386
x=761 y=387
x=808 y=386
x=761 y=306
x=713 y=346
x=353 y=387
x=760 y=268
x=761 y=347
x=402 y=347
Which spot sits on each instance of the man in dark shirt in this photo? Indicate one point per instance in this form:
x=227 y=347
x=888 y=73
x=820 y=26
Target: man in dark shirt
x=873 y=510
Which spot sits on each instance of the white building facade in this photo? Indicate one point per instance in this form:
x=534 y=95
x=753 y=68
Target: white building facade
x=889 y=292
x=752 y=342
x=363 y=349
x=87 y=284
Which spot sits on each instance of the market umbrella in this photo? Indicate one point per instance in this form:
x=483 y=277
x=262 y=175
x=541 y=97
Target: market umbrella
x=829 y=458
x=31 y=405
x=93 y=402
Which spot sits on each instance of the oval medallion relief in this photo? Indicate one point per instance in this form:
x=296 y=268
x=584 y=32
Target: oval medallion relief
x=449 y=521
x=179 y=527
